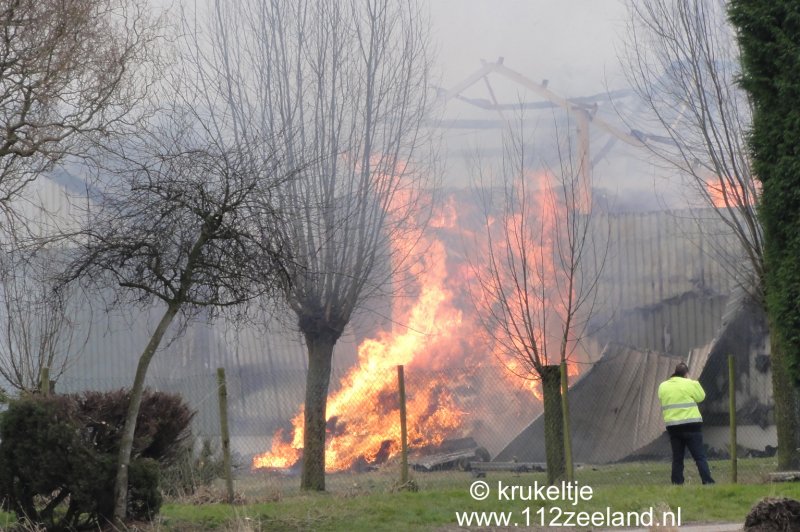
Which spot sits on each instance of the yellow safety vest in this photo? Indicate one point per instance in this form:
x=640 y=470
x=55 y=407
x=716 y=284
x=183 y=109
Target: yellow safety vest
x=679 y=398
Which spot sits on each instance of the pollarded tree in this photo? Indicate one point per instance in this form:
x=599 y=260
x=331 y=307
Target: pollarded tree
x=71 y=72
x=187 y=219
x=342 y=87
x=535 y=281
x=769 y=37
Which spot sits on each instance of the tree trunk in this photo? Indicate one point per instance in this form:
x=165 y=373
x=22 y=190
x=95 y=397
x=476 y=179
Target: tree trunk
x=320 y=355
x=553 y=423
x=787 y=408
x=126 y=441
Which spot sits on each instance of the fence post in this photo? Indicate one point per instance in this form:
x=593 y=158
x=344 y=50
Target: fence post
x=401 y=383
x=222 y=389
x=44 y=381
x=570 y=468
x=732 y=414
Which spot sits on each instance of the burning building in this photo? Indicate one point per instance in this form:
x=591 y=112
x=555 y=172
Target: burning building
x=669 y=301
x=666 y=292
x=666 y=295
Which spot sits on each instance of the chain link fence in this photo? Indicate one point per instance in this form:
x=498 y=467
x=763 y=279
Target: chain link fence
x=478 y=421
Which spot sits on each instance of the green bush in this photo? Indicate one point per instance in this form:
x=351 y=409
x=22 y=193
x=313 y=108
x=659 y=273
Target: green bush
x=144 y=497
x=58 y=456
x=162 y=427
x=40 y=454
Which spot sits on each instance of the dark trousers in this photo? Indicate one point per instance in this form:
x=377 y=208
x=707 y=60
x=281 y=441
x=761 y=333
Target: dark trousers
x=689 y=436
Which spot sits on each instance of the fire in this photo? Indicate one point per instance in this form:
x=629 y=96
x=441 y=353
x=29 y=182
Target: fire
x=431 y=321
x=536 y=290
x=428 y=322
x=456 y=385
x=725 y=192
x=283 y=456
x=534 y=385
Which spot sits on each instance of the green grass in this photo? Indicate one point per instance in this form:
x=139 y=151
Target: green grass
x=6 y=520
x=429 y=510
x=366 y=501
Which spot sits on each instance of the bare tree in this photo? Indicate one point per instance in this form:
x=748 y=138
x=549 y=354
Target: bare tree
x=187 y=219
x=682 y=59
x=342 y=86
x=71 y=72
x=535 y=284
x=71 y=75
x=38 y=321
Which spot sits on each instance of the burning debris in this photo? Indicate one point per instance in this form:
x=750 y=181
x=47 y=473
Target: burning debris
x=457 y=386
x=451 y=454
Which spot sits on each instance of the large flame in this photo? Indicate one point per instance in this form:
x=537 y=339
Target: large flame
x=533 y=280
x=457 y=385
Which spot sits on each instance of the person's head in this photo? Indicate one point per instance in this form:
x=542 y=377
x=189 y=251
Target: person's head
x=681 y=370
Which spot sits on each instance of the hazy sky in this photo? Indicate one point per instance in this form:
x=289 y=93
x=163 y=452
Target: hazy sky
x=574 y=44
x=570 y=42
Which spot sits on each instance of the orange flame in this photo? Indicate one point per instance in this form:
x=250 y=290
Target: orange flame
x=527 y=238
x=446 y=361
x=363 y=390
x=725 y=193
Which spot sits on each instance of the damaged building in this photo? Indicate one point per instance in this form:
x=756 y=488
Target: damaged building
x=667 y=297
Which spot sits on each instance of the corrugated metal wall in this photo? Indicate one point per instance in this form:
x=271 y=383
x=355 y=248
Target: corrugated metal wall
x=665 y=291
x=661 y=288
x=265 y=372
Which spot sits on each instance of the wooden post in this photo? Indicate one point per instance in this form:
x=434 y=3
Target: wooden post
x=44 y=381
x=401 y=384
x=570 y=469
x=225 y=434
x=732 y=414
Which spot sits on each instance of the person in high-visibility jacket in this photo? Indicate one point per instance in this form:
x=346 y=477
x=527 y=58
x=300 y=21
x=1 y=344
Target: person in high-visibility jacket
x=679 y=397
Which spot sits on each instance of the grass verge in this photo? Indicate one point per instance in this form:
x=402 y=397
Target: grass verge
x=366 y=501
x=436 y=510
